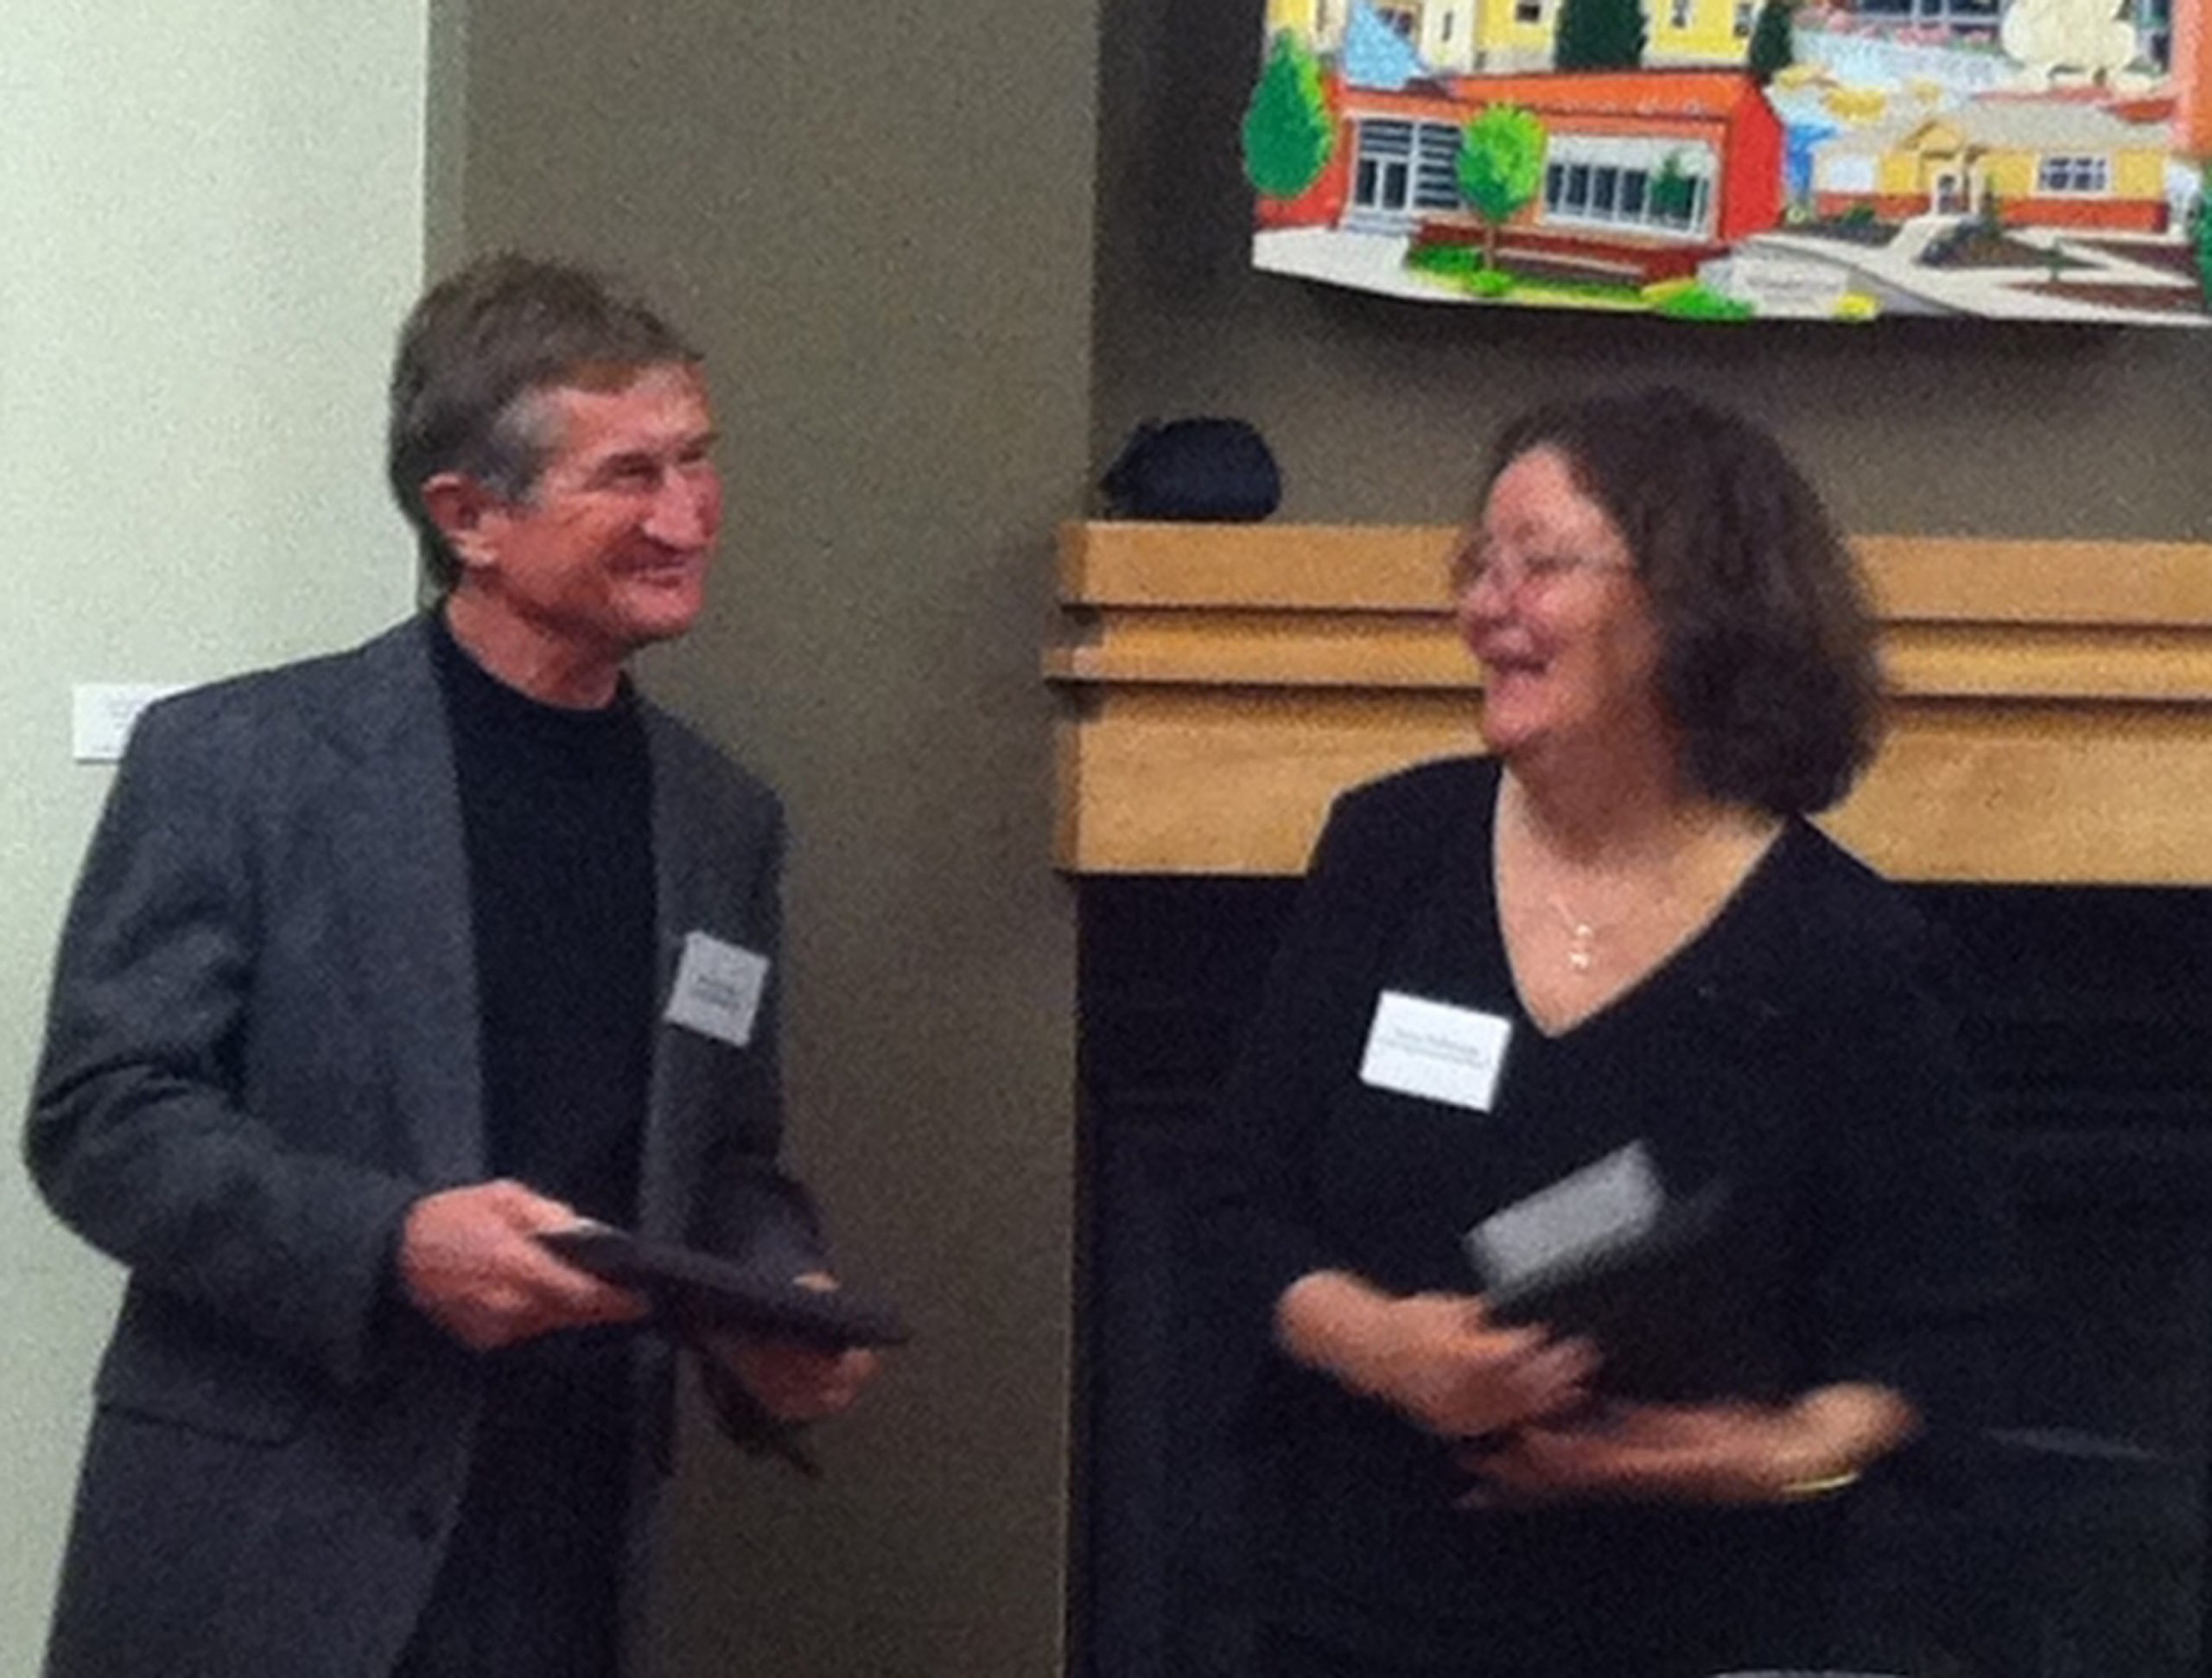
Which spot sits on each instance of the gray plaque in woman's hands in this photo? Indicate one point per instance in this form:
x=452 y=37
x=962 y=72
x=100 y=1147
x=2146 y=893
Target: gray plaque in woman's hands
x=1606 y=1255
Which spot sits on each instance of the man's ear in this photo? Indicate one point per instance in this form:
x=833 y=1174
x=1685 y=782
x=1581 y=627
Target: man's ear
x=468 y=515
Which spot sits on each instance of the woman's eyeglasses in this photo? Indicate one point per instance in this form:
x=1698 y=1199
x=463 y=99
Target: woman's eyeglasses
x=1474 y=565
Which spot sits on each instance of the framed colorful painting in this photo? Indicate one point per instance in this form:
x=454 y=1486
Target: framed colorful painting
x=1732 y=159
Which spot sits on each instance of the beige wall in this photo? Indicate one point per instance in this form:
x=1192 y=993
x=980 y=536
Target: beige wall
x=877 y=222
x=209 y=222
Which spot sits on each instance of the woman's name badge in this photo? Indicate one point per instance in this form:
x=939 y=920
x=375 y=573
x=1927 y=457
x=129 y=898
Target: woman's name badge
x=717 y=990
x=1435 y=1051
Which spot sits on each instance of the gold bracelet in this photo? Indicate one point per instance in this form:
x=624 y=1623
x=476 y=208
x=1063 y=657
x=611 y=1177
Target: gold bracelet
x=1825 y=1485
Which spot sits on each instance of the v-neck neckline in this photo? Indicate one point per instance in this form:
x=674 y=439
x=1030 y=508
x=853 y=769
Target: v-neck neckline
x=1724 y=909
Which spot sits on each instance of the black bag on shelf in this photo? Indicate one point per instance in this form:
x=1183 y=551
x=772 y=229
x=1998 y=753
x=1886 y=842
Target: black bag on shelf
x=1215 y=471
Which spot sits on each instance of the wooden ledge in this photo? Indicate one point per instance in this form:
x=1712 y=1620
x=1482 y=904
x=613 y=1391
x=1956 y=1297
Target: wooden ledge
x=2052 y=713
x=1400 y=568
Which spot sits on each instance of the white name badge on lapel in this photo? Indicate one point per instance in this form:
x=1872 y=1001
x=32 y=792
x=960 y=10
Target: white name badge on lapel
x=718 y=988
x=1435 y=1051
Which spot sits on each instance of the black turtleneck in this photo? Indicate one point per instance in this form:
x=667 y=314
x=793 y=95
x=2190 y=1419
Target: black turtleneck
x=556 y=806
x=556 y=811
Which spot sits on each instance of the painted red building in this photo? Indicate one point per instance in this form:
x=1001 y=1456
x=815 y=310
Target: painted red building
x=1634 y=159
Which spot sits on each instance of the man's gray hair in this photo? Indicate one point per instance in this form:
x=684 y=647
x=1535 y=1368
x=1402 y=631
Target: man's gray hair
x=476 y=358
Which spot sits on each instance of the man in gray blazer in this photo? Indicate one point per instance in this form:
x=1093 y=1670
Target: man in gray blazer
x=380 y=965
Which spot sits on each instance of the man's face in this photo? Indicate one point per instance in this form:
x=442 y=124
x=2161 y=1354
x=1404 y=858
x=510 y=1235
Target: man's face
x=608 y=550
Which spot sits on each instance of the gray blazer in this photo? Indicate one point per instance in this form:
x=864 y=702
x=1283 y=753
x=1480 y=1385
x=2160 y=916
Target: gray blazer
x=262 y=1046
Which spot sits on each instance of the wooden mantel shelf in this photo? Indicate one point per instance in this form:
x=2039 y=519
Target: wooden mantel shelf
x=2051 y=718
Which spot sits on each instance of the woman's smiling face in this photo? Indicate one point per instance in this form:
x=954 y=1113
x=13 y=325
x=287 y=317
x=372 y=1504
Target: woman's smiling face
x=1549 y=603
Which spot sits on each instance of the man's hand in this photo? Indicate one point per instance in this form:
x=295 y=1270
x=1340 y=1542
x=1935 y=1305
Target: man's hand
x=470 y=1262
x=793 y=1382
x=789 y=1379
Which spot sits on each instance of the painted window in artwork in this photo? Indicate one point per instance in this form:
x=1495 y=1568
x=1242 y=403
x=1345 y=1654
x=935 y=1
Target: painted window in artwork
x=1618 y=181
x=2075 y=175
x=1744 y=17
x=1966 y=16
x=1678 y=14
x=1678 y=203
x=2154 y=28
x=1404 y=166
x=1383 y=179
x=1436 y=167
x=1528 y=11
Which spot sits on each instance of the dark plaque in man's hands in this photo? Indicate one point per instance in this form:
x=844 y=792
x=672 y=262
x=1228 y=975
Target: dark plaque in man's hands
x=696 y=1290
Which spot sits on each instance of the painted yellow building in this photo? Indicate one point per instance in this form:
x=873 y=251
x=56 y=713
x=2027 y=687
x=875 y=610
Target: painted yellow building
x=1697 y=31
x=1445 y=31
x=1319 y=23
x=1459 y=37
x=2040 y=163
x=1515 y=34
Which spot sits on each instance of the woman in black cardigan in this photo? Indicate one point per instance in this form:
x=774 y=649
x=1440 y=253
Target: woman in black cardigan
x=1615 y=944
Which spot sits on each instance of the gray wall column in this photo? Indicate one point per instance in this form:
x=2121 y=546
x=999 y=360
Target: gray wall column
x=877 y=219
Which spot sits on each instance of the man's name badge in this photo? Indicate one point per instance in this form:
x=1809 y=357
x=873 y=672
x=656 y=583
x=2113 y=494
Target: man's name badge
x=718 y=988
x=1435 y=1051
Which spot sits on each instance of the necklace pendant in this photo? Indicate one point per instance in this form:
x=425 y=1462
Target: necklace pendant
x=1581 y=937
x=1581 y=946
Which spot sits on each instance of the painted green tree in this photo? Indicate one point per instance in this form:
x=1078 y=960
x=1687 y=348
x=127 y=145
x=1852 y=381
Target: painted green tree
x=2204 y=233
x=1598 y=34
x=1674 y=194
x=1288 y=132
x=1500 y=169
x=1771 y=49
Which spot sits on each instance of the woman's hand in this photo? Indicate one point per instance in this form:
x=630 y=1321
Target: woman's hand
x=1434 y=1357
x=1724 y=1453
